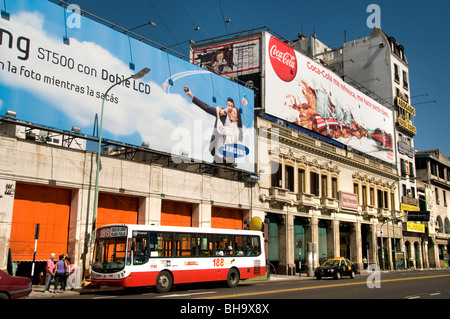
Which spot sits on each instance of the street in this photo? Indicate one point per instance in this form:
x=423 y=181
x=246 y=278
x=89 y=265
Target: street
x=426 y=284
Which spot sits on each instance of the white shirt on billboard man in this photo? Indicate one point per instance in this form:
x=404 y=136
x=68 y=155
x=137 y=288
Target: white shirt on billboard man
x=227 y=127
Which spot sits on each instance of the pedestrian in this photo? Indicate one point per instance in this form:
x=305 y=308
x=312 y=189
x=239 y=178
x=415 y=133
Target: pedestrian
x=365 y=263
x=60 y=274
x=50 y=271
x=70 y=270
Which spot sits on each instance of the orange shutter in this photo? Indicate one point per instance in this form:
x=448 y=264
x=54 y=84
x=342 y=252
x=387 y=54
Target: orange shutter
x=116 y=209
x=228 y=218
x=47 y=206
x=176 y=214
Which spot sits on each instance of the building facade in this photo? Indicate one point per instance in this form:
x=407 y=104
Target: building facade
x=54 y=186
x=323 y=196
x=433 y=172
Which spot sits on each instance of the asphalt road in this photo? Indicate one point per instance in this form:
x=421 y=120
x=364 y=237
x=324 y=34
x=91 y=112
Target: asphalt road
x=427 y=284
x=390 y=293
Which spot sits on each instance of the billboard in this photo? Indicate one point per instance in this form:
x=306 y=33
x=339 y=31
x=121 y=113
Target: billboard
x=306 y=93
x=56 y=65
x=238 y=57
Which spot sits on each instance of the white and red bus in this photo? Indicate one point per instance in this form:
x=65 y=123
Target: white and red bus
x=161 y=256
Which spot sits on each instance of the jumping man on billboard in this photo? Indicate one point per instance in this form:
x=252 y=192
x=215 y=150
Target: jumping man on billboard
x=227 y=127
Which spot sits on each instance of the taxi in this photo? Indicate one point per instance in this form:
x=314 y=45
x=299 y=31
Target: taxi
x=336 y=268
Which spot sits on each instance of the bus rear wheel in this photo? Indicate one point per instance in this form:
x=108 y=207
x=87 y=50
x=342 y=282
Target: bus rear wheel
x=233 y=278
x=164 y=281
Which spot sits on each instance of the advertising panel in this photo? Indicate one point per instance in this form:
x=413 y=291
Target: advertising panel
x=348 y=201
x=240 y=57
x=306 y=93
x=429 y=207
x=56 y=65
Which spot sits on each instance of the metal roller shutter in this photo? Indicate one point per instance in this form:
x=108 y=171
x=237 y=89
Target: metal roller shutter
x=116 y=209
x=228 y=218
x=176 y=214
x=47 y=206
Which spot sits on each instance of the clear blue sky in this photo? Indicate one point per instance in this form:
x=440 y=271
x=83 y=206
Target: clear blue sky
x=421 y=27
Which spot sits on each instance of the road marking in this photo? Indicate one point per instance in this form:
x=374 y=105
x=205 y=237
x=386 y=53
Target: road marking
x=314 y=287
x=435 y=294
x=105 y=297
x=189 y=294
x=414 y=297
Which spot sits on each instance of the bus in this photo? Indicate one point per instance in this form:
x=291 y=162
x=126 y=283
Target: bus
x=161 y=256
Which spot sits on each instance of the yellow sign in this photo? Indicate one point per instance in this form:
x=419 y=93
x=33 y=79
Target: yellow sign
x=414 y=227
x=407 y=126
x=404 y=105
x=256 y=223
x=409 y=208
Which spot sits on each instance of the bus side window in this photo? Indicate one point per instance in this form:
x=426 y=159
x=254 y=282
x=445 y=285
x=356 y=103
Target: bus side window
x=256 y=246
x=205 y=245
x=224 y=245
x=141 y=245
x=185 y=245
x=160 y=244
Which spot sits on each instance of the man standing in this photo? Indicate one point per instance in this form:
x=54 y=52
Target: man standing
x=50 y=271
x=217 y=139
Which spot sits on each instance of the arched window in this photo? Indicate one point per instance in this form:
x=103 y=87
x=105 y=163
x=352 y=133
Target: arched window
x=439 y=225
x=447 y=226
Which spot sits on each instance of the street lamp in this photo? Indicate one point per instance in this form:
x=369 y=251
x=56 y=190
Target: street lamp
x=198 y=28
x=136 y=76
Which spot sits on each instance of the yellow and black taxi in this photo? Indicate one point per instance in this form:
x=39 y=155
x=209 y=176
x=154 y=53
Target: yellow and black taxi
x=336 y=268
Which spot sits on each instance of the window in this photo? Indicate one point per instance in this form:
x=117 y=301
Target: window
x=385 y=199
x=141 y=245
x=364 y=195
x=372 y=196
x=314 y=183
x=185 y=245
x=396 y=73
x=160 y=244
x=205 y=245
x=324 y=179
x=289 y=178
x=247 y=245
x=356 y=190
x=436 y=192
x=276 y=174
x=380 y=198
x=405 y=80
x=224 y=245
x=301 y=180
x=403 y=167
x=334 y=187
x=444 y=196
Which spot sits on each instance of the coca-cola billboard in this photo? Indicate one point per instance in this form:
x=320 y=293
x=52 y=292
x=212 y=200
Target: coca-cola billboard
x=301 y=91
x=282 y=58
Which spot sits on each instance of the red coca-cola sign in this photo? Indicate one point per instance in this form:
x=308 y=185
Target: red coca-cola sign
x=282 y=58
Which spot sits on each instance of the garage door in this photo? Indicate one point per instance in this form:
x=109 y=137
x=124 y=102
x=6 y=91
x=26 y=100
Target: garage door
x=228 y=218
x=176 y=214
x=117 y=209
x=47 y=206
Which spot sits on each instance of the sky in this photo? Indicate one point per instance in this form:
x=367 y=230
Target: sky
x=421 y=30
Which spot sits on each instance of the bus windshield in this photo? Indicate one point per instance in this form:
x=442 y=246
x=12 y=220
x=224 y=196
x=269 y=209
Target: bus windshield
x=109 y=254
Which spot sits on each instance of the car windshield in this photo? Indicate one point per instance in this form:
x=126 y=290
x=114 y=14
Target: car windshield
x=109 y=255
x=331 y=263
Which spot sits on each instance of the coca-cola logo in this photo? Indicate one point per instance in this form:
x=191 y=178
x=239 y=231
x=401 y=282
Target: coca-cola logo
x=282 y=58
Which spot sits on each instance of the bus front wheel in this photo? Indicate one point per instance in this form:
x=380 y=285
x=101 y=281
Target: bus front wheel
x=233 y=278
x=164 y=281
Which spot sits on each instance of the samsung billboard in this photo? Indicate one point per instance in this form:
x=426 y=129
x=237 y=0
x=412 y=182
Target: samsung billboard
x=301 y=91
x=56 y=65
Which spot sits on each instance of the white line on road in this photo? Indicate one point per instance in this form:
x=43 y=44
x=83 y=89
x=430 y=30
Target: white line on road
x=185 y=295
